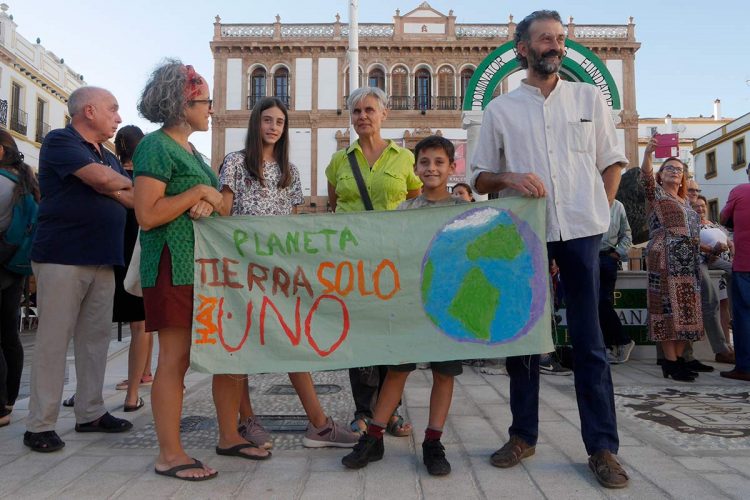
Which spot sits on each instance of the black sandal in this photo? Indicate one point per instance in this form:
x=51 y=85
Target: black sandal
x=43 y=442
x=137 y=406
x=195 y=465
x=105 y=423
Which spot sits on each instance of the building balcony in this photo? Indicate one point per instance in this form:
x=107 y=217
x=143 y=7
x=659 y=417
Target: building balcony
x=252 y=100
x=3 y=112
x=19 y=120
x=42 y=129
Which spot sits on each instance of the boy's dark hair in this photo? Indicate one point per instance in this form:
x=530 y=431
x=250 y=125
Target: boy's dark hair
x=436 y=142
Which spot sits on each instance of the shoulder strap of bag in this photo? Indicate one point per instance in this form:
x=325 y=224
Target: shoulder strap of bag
x=360 y=181
x=9 y=175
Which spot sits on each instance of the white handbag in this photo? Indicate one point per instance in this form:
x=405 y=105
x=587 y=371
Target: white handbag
x=132 y=281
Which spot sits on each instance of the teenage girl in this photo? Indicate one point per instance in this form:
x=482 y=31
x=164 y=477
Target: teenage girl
x=260 y=180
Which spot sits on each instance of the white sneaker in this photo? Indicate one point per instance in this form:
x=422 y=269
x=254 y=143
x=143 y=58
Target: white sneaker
x=330 y=435
x=612 y=355
x=623 y=351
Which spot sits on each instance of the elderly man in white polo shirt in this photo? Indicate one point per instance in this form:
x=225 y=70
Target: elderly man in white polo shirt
x=556 y=139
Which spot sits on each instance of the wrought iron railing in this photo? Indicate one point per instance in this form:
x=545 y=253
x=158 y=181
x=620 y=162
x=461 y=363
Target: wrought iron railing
x=4 y=112
x=19 y=120
x=42 y=129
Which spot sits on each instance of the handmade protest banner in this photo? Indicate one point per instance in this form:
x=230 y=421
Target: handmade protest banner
x=325 y=291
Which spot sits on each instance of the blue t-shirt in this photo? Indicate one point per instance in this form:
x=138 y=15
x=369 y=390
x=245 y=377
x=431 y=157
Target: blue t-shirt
x=77 y=225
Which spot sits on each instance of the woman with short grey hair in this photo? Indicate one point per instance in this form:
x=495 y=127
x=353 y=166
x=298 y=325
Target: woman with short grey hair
x=173 y=186
x=386 y=171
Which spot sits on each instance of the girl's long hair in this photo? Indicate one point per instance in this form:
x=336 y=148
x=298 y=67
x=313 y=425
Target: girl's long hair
x=254 y=143
x=13 y=160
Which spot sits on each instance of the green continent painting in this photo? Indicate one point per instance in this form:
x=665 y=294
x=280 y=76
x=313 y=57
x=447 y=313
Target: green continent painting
x=491 y=285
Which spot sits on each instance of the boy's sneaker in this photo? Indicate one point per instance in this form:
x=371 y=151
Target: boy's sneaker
x=254 y=433
x=623 y=352
x=368 y=449
x=330 y=435
x=433 y=456
x=551 y=366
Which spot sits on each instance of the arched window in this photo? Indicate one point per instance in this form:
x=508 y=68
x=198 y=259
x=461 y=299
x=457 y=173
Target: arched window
x=423 y=89
x=281 y=85
x=257 y=87
x=400 y=88
x=446 y=88
x=376 y=78
x=466 y=75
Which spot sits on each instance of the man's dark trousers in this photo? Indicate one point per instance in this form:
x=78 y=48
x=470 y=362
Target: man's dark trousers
x=578 y=260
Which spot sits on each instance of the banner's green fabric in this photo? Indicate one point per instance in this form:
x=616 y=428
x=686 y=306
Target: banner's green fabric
x=323 y=292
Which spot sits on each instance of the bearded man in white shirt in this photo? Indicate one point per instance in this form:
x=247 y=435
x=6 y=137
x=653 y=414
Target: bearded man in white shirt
x=556 y=139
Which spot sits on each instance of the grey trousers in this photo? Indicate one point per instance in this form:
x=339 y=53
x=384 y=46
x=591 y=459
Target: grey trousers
x=711 y=319
x=73 y=302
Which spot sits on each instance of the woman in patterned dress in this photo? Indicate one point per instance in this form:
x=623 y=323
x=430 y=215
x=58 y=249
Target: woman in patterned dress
x=673 y=260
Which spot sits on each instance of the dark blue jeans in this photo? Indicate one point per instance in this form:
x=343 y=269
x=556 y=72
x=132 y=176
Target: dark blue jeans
x=741 y=319
x=578 y=261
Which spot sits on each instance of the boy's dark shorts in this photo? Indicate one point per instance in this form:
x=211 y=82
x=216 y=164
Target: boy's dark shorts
x=450 y=368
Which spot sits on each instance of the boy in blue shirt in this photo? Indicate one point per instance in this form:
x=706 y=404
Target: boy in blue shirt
x=435 y=162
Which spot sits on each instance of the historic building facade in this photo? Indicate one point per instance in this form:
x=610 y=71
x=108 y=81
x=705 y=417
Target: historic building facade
x=438 y=75
x=721 y=161
x=34 y=88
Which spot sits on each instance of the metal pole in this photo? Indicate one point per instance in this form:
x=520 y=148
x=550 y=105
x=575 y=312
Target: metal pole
x=353 y=54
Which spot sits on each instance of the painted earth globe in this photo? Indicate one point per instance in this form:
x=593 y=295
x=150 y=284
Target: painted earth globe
x=484 y=277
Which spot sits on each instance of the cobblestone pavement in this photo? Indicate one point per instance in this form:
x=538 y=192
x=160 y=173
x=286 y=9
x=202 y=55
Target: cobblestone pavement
x=678 y=440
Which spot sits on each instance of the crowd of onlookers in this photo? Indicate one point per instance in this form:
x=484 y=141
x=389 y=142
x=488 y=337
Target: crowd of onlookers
x=97 y=208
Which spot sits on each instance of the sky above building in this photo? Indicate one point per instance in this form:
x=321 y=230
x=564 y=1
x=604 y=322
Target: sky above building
x=691 y=52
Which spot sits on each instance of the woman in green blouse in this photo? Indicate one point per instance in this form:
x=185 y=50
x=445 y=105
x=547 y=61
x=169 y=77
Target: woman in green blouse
x=172 y=186
x=388 y=174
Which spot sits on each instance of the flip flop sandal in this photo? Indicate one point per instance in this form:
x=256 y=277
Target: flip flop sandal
x=70 y=402
x=396 y=427
x=236 y=451
x=137 y=406
x=195 y=465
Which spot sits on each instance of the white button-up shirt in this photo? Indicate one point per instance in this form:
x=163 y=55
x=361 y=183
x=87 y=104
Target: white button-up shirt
x=567 y=139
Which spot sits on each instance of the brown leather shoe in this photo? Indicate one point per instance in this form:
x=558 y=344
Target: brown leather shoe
x=736 y=375
x=725 y=357
x=608 y=470
x=512 y=453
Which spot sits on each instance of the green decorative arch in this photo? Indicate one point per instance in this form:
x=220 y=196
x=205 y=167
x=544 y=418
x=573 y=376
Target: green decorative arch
x=580 y=63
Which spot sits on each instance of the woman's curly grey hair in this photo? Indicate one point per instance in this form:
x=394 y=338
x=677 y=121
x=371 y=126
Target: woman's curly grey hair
x=163 y=97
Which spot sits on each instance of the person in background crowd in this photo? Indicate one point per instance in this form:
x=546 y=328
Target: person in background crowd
x=613 y=250
x=556 y=139
x=463 y=191
x=736 y=215
x=79 y=238
x=388 y=179
x=710 y=311
x=11 y=283
x=129 y=308
x=717 y=249
x=673 y=262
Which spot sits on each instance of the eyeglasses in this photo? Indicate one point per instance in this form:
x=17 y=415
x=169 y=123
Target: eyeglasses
x=694 y=190
x=209 y=101
x=672 y=168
